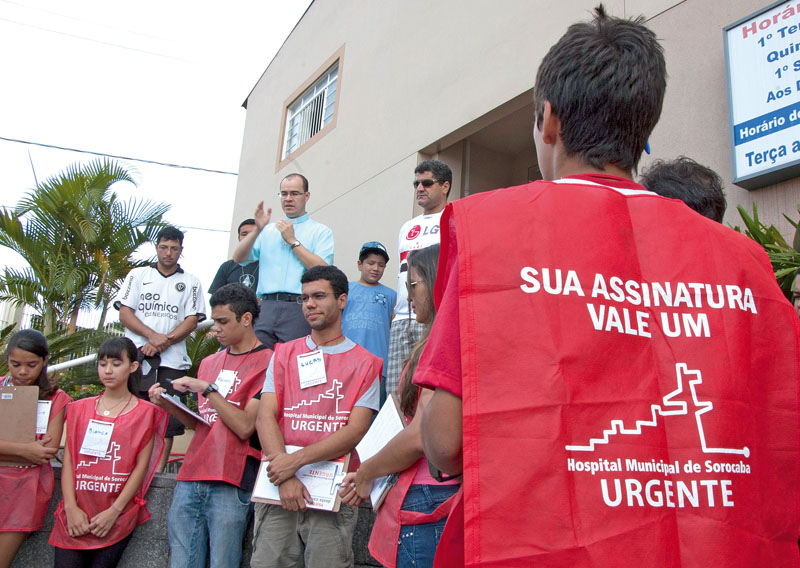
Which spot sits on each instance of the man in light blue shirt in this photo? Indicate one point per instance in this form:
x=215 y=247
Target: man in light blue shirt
x=284 y=250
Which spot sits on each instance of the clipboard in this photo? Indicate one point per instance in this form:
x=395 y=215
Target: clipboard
x=388 y=423
x=183 y=408
x=18 y=418
x=322 y=479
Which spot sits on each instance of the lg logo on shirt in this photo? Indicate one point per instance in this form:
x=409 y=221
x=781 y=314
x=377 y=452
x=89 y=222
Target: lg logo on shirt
x=416 y=230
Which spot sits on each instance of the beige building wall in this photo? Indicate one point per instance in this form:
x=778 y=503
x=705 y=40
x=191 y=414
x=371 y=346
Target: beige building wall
x=452 y=79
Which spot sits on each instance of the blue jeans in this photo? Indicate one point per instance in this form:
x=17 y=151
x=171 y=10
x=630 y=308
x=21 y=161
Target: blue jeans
x=207 y=514
x=418 y=543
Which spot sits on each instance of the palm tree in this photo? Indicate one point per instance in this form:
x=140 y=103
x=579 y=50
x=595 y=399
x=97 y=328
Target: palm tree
x=77 y=238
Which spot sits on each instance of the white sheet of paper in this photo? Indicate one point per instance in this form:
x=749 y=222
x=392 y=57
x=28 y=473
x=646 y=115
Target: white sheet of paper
x=311 y=367
x=96 y=439
x=322 y=479
x=225 y=381
x=43 y=415
x=387 y=424
x=177 y=402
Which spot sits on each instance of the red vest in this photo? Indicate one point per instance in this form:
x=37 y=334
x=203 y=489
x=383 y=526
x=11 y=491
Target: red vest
x=98 y=481
x=630 y=388
x=35 y=482
x=216 y=453
x=306 y=416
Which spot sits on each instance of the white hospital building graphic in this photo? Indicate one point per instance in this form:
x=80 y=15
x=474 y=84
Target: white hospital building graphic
x=668 y=407
x=332 y=393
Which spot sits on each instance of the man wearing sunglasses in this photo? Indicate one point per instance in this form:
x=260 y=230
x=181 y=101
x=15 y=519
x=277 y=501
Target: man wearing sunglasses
x=285 y=249
x=432 y=181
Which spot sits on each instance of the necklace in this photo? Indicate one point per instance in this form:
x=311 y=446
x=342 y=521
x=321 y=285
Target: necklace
x=318 y=345
x=108 y=410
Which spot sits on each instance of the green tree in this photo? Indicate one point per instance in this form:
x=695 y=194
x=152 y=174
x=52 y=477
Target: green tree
x=77 y=238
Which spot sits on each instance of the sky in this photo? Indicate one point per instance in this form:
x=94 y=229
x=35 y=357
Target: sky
x=158 y=81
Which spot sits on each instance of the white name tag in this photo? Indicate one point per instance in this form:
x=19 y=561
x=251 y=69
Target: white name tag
x=97 y=437
x=311 y=367
x=43 y=416
x=225 y=381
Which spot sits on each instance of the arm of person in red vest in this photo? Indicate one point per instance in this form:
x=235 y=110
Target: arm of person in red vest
x=154 y=393
x=39 y=451
x=441 y=432
x=103 y=521
x=294 y=495
x=402 y=451
x=240 y=422
x=77 y=519
x=283 y=466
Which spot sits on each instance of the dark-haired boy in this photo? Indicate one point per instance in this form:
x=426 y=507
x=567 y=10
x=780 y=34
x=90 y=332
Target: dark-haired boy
x=242 y=272
x=325 y=409
x=370 y=304
x=160 y=305
x=696 y=185
x=597 y=420
x=211 y=503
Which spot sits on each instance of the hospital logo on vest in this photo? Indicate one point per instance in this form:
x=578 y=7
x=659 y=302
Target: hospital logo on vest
x=180 y=286
x=699 y=484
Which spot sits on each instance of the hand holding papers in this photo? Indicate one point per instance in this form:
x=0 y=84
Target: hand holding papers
x=321 y=479
x=387 y=424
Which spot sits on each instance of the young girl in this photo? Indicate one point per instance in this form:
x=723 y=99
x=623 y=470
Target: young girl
x=25 y=490
x=408 y=525
x=114 y=442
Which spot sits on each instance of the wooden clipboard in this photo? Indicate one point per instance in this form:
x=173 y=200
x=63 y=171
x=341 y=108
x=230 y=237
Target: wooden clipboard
x=18 y=418
x=324 y=489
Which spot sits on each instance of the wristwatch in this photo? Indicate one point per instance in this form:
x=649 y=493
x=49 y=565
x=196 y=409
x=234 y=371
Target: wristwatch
x=295 y=244
x=210 y=388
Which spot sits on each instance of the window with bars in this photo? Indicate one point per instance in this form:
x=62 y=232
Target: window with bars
x=311 y=111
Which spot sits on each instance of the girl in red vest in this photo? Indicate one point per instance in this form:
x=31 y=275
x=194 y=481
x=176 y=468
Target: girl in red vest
x=114 y=442
x=411 y=519
x=26 y=357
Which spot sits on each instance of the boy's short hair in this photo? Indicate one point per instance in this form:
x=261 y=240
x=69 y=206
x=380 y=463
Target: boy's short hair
x=239 y=298
x=336 y=277
x=245 y=222
x=605 y=81
x=695 y=184
x=170 y=233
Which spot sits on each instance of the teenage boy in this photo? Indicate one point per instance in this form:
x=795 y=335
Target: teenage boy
x=606 y=423
x=242 y=272
x=160 y=305
x=326 y=419
x=368 y=314
x=211 y=503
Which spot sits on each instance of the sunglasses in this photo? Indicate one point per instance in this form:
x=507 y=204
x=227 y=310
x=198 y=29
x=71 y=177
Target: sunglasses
x=426 y=183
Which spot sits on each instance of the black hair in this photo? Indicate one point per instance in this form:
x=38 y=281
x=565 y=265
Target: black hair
x=605 y=81
x=425 y=262
x=245 y=222
x=695 y=184
x=170 y=233
x=439 y=169
x=366 y=252
x=113 y=348
x=34 y=342
x=336 y=277
x=303 y=180
x=239 y=298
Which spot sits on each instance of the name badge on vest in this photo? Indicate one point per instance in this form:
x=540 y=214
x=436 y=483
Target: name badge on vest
x=311 y=367
x=43 y=415
x=97 y=437
x=225 y=381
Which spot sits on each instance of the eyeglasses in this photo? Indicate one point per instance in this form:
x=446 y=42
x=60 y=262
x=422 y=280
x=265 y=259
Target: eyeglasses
x=316 y=296
x=426 y=183
x=165 y=248
x=411 y=285
x=292 y=194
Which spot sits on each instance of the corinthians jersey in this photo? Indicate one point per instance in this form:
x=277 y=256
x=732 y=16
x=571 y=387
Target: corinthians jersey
x=162 y=303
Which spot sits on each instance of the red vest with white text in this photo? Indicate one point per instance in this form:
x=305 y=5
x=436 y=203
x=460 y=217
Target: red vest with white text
x=630 y=383
x=306 y=416
x=98 y=481
x=216 y=453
